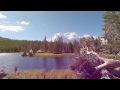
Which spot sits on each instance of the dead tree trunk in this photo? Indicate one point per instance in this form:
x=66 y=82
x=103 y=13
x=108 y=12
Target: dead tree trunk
x=107 y=62
x=95 y=65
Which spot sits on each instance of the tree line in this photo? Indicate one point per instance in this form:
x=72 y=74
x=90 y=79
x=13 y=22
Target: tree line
x=111 y=30
x=58 y=46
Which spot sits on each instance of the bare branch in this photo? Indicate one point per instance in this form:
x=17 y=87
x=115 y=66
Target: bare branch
x=106 y=60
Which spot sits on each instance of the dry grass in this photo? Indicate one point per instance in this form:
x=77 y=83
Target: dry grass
x=42 y=74
x=30 y=74
x=110 y=56
x=60 y=74
x=52 y=55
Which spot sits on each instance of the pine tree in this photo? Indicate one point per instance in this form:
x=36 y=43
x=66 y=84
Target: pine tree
x=45 y=45
x=58 y=45
x=112 y=30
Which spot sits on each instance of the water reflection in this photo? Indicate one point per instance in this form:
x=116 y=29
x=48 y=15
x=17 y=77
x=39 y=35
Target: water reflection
x=59 y=63
x=9 y=61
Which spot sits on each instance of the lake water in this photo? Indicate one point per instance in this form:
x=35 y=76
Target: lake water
x=8 y=61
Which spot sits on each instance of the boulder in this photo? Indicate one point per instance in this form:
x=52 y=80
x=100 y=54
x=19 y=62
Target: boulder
x=24 y=53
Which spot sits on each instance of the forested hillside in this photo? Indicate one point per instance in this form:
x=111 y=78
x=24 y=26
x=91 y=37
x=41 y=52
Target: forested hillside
x=58 y=46
x=8 y=45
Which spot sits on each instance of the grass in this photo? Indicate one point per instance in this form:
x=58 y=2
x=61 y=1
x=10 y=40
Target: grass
x=110 y=56
x=61 y=74
x=52 y=55
x=42 y=74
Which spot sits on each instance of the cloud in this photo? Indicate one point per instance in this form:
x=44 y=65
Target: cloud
x=11 y=28
x=4 y=25
x=23 y=23
x=56 y=36
x=2 y=16
x=86 y=36
x=71 y=35
x=68 y=36
x=95 y=37
x=48 y=39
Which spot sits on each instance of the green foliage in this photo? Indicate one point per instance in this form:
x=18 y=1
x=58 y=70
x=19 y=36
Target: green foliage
x=112 y=30
x=70 y=47
x=92 y=43
x=76 y=46
x=8 y=45
x=45 y=44
x=110 y=56
x=58 y=46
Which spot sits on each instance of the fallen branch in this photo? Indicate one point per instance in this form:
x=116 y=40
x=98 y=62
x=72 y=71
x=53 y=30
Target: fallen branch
x=96 y=66
x=107 y=61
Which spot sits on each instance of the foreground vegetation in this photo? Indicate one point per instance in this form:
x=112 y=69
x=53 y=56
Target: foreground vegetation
x=42 y=74
x=109 y=56
x=52 y=55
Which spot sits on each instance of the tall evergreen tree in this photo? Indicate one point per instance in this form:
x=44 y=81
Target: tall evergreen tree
x=58 y=45
x=45 y=45
x=70 y=46
x=112 y=30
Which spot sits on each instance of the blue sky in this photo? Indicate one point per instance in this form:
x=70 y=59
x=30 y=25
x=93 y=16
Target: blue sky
x=35 y=25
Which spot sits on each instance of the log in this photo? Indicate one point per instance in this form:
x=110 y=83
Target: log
x=107 y=62
x=96 y=66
